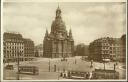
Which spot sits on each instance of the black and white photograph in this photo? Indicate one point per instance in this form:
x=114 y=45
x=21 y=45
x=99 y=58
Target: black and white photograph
x=67 y=40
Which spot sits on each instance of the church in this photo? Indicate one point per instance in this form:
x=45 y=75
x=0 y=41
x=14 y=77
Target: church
x=59 y=42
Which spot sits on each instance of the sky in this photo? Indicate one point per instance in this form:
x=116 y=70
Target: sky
x=88 y=21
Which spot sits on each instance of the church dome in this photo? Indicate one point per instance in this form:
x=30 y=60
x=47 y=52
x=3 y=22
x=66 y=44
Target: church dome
x=58 y=24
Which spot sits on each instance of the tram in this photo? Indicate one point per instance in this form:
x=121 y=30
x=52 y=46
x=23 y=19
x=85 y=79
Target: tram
x=28 y=70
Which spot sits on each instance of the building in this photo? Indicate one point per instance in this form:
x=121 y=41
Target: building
x=115 y=48
x=58 y=43
x=13 y=46
x=99 y=49
x=123 y=43
x=28 y=49
x=16 y=47
x=106 y=48
x=39 y=50
x=81 y=50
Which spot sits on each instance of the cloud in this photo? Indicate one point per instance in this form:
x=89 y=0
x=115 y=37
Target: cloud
x=88 y=21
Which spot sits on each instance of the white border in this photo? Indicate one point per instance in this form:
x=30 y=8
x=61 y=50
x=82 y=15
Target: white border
x=1 y=40
x=126 y=43
x=64 y=0
x=56 y=1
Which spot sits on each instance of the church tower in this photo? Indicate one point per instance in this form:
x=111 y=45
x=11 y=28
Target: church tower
x=58 y=43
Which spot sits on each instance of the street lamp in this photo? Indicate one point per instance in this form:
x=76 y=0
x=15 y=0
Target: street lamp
x=104 y=62
x=18 y=62
x=116 y=60
x=49 y=64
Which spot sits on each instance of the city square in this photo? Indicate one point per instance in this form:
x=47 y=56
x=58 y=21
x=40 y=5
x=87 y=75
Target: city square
x=45 y=74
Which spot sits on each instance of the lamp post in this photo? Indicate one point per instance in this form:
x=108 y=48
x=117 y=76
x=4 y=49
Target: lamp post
x=116 y=60
x=49 y=64
x=18 y=62
x=104 y=62
x=18 y=66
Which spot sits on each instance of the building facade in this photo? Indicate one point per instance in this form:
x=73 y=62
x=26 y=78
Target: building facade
x=99 y=49
x=28 y=49
x=106 y=48
x=115 y=48
x=14 y=47
x=58 y=43
x=123 y=43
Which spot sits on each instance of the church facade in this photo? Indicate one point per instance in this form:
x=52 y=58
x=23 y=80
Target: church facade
x=58 y=43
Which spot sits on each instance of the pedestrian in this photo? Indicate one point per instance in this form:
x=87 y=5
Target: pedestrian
x=69 y=74
x=61 y=74
x=114 y=66
x=87 y=75
x=91 y=64
x=64 y=75
x=54 y=68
